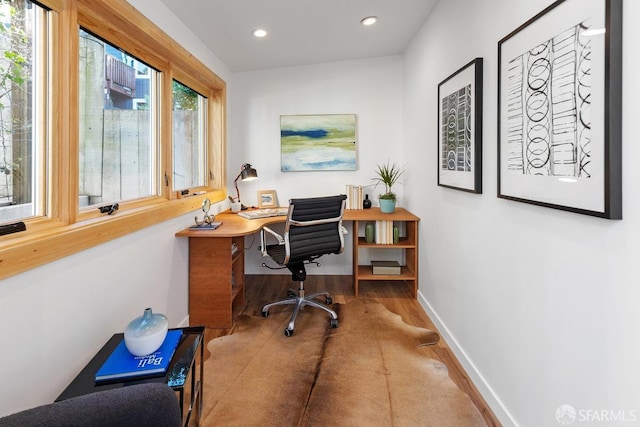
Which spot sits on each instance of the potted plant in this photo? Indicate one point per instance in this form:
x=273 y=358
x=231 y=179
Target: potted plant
x=388 y=175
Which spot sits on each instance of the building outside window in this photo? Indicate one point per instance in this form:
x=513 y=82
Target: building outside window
x=189 y=138
x=117 y=120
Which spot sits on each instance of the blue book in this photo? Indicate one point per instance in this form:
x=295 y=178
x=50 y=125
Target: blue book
x=123 y=365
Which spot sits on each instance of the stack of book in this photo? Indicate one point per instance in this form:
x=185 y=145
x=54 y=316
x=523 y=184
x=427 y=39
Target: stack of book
x=122 y=365
x=385 y=267
x=384 y=232
x=355 y=196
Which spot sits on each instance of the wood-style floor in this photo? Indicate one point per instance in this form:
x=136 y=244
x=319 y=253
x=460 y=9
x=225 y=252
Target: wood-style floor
x=260 y=289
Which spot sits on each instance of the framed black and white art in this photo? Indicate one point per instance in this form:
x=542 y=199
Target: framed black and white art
x=559 y=109
x=460 y=129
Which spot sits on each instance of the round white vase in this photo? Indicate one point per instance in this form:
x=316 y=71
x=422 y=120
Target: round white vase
x=145 y=334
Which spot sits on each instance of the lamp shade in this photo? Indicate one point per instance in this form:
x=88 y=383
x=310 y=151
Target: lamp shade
x=248 y=173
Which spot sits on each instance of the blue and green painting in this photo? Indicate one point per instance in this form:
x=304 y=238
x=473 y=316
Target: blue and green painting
x=324 y=142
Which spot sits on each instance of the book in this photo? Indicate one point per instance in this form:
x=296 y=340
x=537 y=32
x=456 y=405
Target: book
x=384 y=232
x=354 y=196
x=385 y=267
x=206 y=226
x=123 y=365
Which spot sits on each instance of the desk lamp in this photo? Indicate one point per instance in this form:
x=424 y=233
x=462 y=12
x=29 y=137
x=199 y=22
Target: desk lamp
x=247 y=173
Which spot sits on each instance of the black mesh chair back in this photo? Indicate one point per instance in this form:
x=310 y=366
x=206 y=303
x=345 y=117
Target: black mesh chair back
x=313 y=228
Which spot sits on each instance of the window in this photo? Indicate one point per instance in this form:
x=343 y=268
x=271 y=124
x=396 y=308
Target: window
x=189 y=138
x=23 y=68
x=117 y=117
x=85 y=120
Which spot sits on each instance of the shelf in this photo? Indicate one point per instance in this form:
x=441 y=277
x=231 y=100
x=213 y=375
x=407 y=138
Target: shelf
x=365 y=273
x=235 y=291
x=403 y=243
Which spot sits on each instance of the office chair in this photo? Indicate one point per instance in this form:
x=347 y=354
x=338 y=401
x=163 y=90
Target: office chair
x=313 y=228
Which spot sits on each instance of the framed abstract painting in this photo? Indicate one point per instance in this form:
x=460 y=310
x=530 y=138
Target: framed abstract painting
x=460 y=129
x=324 y=142
x=560 y=109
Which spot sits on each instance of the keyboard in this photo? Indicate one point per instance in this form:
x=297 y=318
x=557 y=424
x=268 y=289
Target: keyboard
x=264 y=213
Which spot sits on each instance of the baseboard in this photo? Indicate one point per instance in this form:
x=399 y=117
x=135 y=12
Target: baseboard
x=487 y=393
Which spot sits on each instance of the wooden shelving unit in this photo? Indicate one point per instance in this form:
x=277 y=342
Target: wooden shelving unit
x=408 y=243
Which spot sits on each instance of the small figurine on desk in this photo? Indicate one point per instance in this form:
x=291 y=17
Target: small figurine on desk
x=208 y=220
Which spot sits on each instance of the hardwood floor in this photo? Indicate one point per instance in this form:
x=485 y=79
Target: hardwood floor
x=260 y=289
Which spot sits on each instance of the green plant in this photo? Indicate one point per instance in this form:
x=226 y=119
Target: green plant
x=388 y=175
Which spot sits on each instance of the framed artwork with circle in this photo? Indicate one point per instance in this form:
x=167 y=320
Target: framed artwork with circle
x=460 y=129
x=560 y=109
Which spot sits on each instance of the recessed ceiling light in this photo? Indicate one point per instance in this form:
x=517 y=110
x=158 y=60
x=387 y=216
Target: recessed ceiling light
x=369 y=20
x=259 y=33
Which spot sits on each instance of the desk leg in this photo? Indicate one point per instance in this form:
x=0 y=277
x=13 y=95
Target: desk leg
x=354 y=247
x=200 y=397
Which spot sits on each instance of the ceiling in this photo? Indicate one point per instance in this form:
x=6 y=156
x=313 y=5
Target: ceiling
x=301 y=32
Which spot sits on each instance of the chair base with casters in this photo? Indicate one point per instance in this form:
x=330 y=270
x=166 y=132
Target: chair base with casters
x=299 y=300
x=313 y=228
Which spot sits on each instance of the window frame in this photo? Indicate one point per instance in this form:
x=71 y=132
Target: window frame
x=66 y=229
x=186 y=80
x=92 y=211
x=41 y=118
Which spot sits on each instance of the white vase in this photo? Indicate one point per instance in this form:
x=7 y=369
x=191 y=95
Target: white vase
x=145 y=334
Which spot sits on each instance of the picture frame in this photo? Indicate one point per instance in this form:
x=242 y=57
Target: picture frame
x=318 y=142
x=267 y=199
x=560 y=109
x=460 y=129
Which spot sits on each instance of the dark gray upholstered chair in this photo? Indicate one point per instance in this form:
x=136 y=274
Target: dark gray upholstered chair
x=141 y=405
x=313 y=228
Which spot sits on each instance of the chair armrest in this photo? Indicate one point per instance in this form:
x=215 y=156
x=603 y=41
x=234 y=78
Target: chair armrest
x=263 y=239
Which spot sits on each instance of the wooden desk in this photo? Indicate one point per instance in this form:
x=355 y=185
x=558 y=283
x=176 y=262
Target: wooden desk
x=213 y=266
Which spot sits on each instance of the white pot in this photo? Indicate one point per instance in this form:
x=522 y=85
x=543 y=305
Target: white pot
x=145 y=334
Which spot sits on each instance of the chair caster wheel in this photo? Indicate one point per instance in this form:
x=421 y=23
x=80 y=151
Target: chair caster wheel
x=265 y=313
x=288 y=332
x=328 y=301
x=333 y=323
x=291 y=294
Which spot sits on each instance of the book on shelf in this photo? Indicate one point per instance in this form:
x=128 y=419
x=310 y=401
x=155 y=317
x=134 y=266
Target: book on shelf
x=385 y=267
x=355 y=196
x=384 y=232
x=123 y=365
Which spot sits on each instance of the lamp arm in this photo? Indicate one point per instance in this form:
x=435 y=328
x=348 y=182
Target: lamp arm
x=235 y=183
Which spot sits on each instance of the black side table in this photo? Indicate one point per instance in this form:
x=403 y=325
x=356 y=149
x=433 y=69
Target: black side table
x=184 y=375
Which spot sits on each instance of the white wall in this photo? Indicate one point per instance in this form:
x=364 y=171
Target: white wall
x=54 y=318
x=370 y=88
x=540 y=305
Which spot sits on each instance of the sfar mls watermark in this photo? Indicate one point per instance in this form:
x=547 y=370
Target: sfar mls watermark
x=567 y=415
